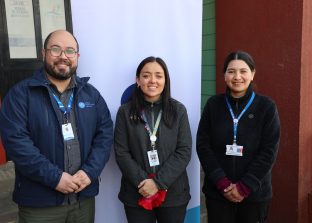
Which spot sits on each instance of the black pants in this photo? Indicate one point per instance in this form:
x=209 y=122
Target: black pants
x=228 y=212
x=161 y=214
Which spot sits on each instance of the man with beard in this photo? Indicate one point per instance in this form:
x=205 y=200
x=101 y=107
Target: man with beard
x=57 y=130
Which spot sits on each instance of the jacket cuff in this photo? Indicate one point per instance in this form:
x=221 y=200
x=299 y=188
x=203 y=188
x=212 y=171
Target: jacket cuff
x=216 y=175
x=251 y=181
x=59 y=176
x=159 y=184
x=92 y=178
x=243 y=190
x=222 y=184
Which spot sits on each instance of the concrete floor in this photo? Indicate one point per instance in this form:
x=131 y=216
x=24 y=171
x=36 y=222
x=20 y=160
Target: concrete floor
x=8 y=209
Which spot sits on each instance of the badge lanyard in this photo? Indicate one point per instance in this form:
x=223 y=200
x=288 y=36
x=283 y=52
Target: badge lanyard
x=152 y=135
x=65 y=111
x=236 y=119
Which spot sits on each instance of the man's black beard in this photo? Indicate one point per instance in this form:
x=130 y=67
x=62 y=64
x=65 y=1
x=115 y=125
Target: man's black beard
x=59 y=76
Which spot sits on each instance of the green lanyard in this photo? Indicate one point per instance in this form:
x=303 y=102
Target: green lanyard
x=152 y=135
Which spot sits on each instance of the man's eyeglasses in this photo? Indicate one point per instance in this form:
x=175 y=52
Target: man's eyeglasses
x=57 y=51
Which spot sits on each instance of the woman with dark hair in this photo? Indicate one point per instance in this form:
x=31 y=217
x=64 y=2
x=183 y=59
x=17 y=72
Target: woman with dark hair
x=237 y=144
x=153 y=147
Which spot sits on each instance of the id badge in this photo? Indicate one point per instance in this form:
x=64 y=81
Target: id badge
x=234 y=150
x=153 y=158
x=67 y=131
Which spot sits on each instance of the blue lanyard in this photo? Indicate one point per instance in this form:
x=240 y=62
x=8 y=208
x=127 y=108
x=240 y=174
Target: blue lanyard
x=66 y=111
x=236 y=119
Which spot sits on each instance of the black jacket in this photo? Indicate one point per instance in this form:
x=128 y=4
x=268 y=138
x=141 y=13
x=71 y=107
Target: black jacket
x=174 y=151
x=258 y=132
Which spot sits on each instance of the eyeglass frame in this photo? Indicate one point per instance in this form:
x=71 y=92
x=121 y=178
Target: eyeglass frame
x=62 y=51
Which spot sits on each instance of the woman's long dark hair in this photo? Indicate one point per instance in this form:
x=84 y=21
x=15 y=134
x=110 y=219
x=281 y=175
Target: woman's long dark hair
x=137 y=98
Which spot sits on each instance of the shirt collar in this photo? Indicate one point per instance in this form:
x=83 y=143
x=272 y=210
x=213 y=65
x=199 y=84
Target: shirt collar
x=72 y=84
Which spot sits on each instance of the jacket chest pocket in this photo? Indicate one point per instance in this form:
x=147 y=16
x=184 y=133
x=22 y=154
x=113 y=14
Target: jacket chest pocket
x=41 y=116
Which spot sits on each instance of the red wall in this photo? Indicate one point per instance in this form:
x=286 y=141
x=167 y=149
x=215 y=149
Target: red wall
x=305 y=134
x=271 y=31
x=2 y=153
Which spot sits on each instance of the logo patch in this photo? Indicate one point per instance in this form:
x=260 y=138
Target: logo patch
x=81 y=105
x=85 y=104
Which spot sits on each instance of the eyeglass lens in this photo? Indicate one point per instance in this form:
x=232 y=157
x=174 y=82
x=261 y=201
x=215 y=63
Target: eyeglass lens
x=57 y=51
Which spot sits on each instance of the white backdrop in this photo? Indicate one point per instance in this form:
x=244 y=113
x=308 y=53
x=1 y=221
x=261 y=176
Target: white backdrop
x=114 y=36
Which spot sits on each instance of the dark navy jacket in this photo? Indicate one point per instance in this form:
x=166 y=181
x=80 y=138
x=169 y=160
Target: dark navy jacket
x=32 y=137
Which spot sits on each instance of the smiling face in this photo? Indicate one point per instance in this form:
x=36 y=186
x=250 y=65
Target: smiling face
x=60 y=67
x=151 y=80
x=237 y=77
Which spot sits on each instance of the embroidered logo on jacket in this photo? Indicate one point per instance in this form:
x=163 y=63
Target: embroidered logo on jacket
x=85 y=104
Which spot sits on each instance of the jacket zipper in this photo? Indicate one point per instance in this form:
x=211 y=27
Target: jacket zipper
x=78 y=123
x=234 y=157
x=153 y=125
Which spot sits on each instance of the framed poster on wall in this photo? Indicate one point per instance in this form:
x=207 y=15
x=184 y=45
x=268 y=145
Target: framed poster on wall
x=21 y=28
x=52 y=16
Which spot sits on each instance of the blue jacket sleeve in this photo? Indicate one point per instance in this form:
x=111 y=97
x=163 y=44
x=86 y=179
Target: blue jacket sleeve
x=18 y=144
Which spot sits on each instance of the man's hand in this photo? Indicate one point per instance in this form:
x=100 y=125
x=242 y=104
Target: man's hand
x=66 y=184
x=81 y=179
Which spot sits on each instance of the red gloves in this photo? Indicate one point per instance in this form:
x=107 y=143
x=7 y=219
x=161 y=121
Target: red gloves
x=153 y=201
x=243 y=189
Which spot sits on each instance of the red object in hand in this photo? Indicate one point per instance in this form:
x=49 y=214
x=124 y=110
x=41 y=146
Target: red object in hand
x=153 y=201
x=2 y=152
x=160 y=198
